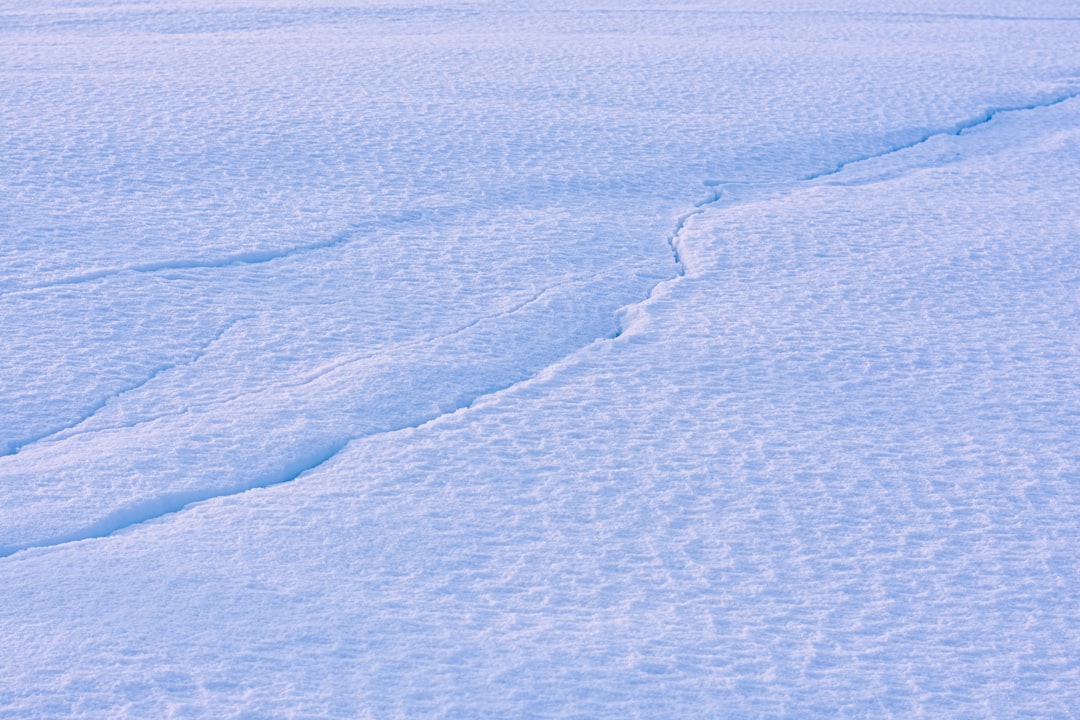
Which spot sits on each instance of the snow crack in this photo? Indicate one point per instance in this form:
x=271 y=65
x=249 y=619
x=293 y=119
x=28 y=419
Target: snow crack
x=97 y=407
x=149 y=510
x=958 y=129
x=249 y=257
x=719 y=187
x=146 y=511
x=312 y=377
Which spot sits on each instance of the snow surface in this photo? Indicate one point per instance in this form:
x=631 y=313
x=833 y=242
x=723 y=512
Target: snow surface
x=492 y=359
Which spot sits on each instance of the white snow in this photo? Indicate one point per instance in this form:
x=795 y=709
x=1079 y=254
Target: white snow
x=491 y=359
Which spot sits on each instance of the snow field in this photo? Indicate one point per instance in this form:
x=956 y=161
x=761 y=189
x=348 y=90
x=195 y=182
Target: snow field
x=397 y=290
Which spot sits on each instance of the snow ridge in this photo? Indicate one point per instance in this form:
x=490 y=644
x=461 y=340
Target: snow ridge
x=150 y=510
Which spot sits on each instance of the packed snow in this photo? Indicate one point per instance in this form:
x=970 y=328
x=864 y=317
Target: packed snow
x=539 y=359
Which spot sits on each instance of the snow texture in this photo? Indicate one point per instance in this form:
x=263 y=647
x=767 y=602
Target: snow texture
x=491 y=359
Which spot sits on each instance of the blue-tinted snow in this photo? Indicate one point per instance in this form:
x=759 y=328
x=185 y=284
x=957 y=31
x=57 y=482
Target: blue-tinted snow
x=830 y=470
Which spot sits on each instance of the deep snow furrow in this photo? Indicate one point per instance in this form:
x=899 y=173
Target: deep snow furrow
x=101 y=404
x=153 y=509
x=251 y=257
x=149 y=510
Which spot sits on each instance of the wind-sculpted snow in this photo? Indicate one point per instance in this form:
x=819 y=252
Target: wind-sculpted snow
x=508 y=360
x=332 y=220
x=339 y=430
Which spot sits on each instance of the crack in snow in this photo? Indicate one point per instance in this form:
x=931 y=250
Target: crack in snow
x=101 y=404
x=147 y=511
x=312 y=377
x=249 y=257
x=150 y=509
x=718 y=187
x=534 y=298
x=972 y=16
x=957 y=130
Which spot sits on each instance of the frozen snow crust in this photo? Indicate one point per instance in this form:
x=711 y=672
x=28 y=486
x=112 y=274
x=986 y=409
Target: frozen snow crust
x=479 y=360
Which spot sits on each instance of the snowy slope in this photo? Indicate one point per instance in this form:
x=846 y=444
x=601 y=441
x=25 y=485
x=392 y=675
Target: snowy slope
x=828 y=467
